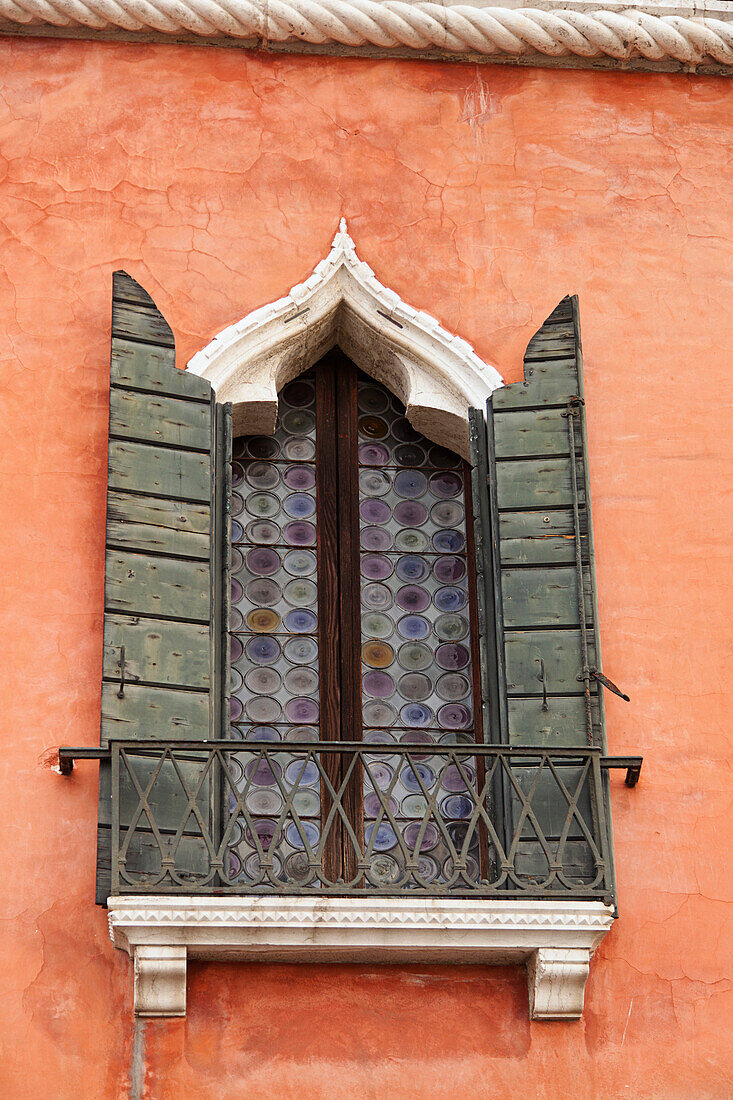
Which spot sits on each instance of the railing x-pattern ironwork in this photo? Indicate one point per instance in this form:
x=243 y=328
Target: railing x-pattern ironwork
x=235 y=817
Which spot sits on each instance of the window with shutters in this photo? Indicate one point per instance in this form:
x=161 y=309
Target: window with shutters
x=341 y=661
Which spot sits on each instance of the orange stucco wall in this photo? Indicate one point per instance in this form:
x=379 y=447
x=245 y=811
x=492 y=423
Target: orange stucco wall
x=217 y=178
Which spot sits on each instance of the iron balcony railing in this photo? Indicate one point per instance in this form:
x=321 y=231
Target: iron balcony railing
x=234 y=817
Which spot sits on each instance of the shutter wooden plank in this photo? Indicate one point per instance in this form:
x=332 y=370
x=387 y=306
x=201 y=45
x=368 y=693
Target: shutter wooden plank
x=146 y=712
x=135 y=322
x=534 y=483
x=152 y=369
x=550 y=383
x=557 y=726
x=561 y=652
x=538 y=538
x=531 y=432
x=168 y=587
x=541 y=597
x=161 y=526
x=156 y=652
x=159 y=419
x=158 y=471
x=126 y=289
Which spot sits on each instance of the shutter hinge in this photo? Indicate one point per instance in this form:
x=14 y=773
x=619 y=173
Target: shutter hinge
x=543 y=680
x=574 y=404
x=596 y=674
x=121 y=666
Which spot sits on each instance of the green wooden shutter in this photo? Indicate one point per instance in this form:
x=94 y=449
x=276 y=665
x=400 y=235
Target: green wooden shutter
x=537 y=602
x=166 y=538
x=536 y=556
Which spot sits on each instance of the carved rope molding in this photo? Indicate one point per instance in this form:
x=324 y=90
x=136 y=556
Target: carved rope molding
x=692 y=36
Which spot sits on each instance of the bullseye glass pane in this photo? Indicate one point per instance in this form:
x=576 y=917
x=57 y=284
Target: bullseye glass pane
x=416 y=651
x=274 y=647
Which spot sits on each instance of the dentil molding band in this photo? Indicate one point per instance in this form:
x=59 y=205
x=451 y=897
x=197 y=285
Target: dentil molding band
x=655 y=34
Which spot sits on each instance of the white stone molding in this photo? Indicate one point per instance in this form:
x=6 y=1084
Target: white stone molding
x=555 y=939
x=635 y=34
x=436 y=375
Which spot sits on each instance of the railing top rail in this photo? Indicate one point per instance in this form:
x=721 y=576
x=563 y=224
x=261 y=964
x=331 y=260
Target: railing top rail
x=375 y=747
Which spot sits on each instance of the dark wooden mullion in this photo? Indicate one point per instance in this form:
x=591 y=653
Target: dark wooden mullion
x=329 y=640
x=478 y=730
x=349 y=594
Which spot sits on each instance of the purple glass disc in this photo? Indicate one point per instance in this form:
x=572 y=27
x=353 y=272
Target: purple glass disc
x=452 y=656
x=263 y=650
x=299 y=477
x=449 y=570
x=410 y=779
x=384 y=839
x=235 y=648
x=375 y=538
x=375 y=567
x=295 y=839
x=416 y=715
x=448 y=541
x=453 y=781
x=300 y=533
x=410 y=513
x=263 y=772
x=263 y=561
x=235 y=589
x=413 y=627
x=454 y=716
x=299 y=505
x=410 y=484
x=373 y=807
x=450 y=599
x=378 y=684
x=301 y=711
x=237 y=531
x=300 y=621
x=412 y=832
x=445 y=484
x=373 y=454
x=375 y=511
x=235 y=708
x=412 y=598
x=411 y=568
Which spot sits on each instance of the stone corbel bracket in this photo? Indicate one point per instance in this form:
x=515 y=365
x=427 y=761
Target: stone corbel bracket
x=436 y=375
x=649 y=35
x=554 y=939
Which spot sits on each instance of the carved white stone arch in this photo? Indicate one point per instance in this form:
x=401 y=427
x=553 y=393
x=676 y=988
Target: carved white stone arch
x=437 y=376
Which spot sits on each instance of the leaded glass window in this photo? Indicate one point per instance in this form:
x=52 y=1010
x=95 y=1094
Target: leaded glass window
x=353 y=620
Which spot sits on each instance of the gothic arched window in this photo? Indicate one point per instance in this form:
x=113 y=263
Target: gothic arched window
x=352 y=620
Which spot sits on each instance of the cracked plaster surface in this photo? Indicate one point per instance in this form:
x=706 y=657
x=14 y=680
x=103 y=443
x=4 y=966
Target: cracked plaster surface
x=481 y=195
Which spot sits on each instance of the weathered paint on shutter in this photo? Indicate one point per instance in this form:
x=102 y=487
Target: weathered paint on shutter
x=535 y=512
x=535 y=562
x=166 y=517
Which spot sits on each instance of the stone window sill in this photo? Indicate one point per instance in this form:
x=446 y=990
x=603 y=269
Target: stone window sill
x=554 y=939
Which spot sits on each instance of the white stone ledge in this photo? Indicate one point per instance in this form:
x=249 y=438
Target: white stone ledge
x=555 y=939
x=640 y=34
